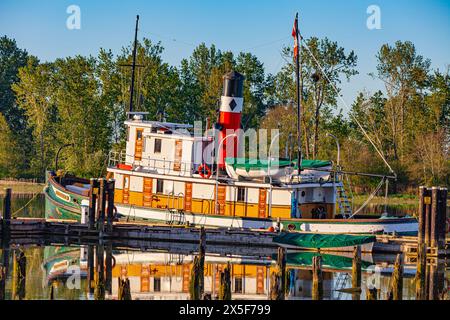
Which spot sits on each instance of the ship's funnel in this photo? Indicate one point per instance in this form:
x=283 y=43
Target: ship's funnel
x=230 y=114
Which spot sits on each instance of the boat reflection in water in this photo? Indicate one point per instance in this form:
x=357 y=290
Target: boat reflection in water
x=165 y=275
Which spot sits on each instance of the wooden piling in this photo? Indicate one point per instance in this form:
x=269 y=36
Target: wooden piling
x=356 y=273
x=194 y=285
x=4 y=266
x=434 y=218
x=91 y=269
x=99 y=293
x=427 y=202
x=101 y=205
x=93 y=193
x=225 y=283
x=110 y=187
x=19 y=275
x=396 y=285
x=275 y=279
x=356 y=267
x=421 y=268
x=201 y=266
x=281 y=262
x=371 y=293
x=442 y=221
x=124 y=292
x=52 y=292
x=421 y=216
x=317 y=286
x=108 y=268
x=6 y=217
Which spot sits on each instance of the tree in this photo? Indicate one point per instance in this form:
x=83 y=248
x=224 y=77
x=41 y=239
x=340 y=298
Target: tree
x=34 y=97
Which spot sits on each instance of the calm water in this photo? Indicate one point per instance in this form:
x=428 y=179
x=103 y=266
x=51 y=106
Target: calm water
x=162 y=270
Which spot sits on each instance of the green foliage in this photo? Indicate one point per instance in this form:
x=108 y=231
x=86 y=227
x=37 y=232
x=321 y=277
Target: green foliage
x=83 y=101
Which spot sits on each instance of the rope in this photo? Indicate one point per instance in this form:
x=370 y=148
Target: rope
x=354 y=118
x=368 y=199
x=26 y=205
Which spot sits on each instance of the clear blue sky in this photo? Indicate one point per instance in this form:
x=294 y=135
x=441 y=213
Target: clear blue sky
x=261 y=27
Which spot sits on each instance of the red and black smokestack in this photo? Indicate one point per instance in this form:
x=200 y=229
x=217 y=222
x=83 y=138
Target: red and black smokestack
x=231 y=104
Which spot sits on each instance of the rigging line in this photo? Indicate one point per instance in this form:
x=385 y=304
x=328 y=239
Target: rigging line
x=346 y=105
x=173 y=39
x=266 y=43
x=369 y=198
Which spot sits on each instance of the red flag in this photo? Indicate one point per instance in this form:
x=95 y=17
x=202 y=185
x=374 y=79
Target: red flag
x=295 y=35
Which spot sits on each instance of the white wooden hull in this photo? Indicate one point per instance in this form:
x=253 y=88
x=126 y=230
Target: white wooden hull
x=350 y=226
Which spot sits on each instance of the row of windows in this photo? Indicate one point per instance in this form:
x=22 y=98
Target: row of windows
x=241 y=192
x=237 y=285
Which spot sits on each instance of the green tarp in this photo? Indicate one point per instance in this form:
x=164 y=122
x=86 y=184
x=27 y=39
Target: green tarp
x=314 y=240
x=257 y=164
x=328 y=260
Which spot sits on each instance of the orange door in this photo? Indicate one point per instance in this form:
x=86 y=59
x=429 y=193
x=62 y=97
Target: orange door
x=147 y=192
x=138 y=145
x=188 y=197
x=126 y=189
x=145 y=278
x=178 y=154
x=221 y=199
x=262 y=203
x=260 y=280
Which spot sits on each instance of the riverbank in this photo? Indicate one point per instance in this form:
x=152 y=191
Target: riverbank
x=21 y=187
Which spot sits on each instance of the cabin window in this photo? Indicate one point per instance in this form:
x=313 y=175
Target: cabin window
x=241 y=194
x=238 y=285
x=157 y=284
x=158 y=143
x=144 y=144
x=159 y=186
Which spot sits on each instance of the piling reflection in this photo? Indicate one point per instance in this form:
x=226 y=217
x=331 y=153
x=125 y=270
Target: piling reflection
x=106 y=272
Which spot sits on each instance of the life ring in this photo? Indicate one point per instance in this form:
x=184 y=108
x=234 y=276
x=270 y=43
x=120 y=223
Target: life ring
x=204 y=171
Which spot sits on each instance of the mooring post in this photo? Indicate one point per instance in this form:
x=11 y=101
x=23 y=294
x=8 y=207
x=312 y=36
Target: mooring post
x=6 y=221
x=356 y=273
x=99 y=293
x=434 y=218
x=194 y=285
x=92 y=202
x=110 y=209
x=19 y=274
x=427 y=202
x=421 y=271
x=371 y=293
x=108 y=269
x=91 y=270
x=356 y=267
x=421 y=216
x=4 y=267
x=124 y=291
x=225 y=283
x=442 y=217
x=281 y=262
x=202 y=251
x=101 y=207
x=317 y=286
x=396 y=287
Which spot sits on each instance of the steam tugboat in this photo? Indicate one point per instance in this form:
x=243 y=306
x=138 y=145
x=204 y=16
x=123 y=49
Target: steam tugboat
x=168 y=175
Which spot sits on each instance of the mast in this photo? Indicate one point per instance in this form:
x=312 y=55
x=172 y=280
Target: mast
x=299 y=96
x=133 y=66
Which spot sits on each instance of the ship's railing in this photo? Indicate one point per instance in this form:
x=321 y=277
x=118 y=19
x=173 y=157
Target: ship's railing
x=161 y=166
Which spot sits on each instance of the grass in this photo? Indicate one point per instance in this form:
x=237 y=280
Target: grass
x=21 y=187
x=396 y=199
